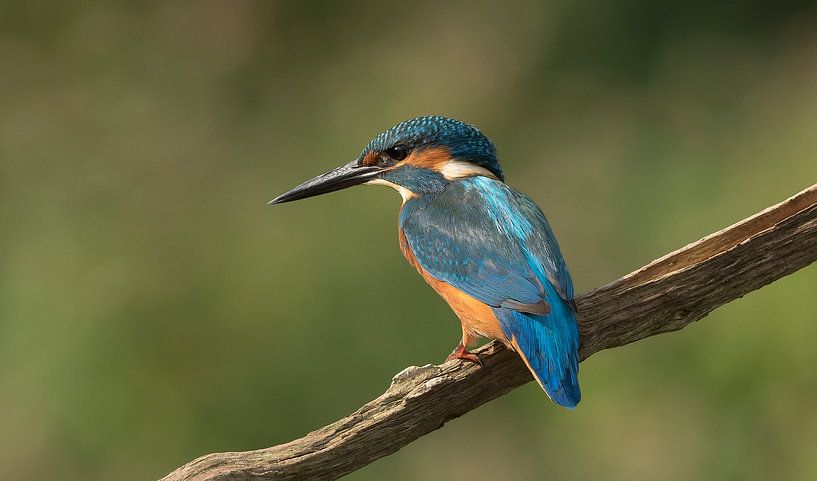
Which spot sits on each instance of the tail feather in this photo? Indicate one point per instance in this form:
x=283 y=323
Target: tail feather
x=549 y=345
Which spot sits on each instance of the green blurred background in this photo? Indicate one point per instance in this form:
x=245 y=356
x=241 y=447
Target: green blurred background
x=153 y=308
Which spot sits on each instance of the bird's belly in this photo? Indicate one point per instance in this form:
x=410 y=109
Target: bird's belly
x=477 y=318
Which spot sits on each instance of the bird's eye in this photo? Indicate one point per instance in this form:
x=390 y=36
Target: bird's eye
x=392 y=155
x=398 y=152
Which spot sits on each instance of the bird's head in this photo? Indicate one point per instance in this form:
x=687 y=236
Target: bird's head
x=415 y=157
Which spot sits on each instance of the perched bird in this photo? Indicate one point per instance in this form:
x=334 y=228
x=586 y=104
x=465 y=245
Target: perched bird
x=486 y=248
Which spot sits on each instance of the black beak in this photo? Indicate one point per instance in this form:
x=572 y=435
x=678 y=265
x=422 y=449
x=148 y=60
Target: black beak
x=337 y=179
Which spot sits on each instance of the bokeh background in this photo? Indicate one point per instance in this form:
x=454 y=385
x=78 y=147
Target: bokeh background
x=153 y=308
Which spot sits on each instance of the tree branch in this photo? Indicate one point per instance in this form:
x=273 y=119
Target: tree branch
x=666 y=295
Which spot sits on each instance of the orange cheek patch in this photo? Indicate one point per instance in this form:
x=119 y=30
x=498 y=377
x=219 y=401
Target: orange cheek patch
x=432 y=158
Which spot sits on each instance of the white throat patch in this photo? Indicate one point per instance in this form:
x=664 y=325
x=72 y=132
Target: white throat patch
x=404 y=193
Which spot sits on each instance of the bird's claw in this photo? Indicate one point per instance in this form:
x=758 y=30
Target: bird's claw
x=461 y=353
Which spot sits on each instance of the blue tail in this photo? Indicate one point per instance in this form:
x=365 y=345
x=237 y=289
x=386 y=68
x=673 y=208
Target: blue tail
x=549 y=345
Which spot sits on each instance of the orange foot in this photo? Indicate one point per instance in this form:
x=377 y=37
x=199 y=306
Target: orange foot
x=460 y=352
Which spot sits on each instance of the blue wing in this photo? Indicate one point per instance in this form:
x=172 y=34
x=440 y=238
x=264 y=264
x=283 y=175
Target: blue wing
x=496 y=245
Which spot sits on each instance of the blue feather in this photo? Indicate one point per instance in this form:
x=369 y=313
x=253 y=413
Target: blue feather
x=495 y=244
x=549 y=344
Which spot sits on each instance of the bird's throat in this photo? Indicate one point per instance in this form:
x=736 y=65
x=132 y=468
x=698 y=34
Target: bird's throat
x=404 y=192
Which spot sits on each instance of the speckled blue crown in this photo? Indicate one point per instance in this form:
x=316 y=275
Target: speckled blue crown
x=464 y=141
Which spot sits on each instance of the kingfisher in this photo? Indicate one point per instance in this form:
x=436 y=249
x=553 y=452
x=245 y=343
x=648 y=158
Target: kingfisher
x=487 y=249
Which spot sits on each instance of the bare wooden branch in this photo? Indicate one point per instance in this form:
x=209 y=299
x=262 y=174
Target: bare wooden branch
x=666 y=295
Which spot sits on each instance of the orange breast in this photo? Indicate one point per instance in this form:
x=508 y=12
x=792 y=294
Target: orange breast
x=476 y=317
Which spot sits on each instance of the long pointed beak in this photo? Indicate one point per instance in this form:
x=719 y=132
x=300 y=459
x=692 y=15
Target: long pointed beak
x=336 y=179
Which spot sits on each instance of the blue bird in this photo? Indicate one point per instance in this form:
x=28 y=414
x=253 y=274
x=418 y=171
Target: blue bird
x=486 y=248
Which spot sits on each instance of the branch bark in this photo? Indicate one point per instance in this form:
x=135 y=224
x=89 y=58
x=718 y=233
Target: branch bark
x=666 y=295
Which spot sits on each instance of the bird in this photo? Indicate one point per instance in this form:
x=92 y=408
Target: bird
x=484 y=247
